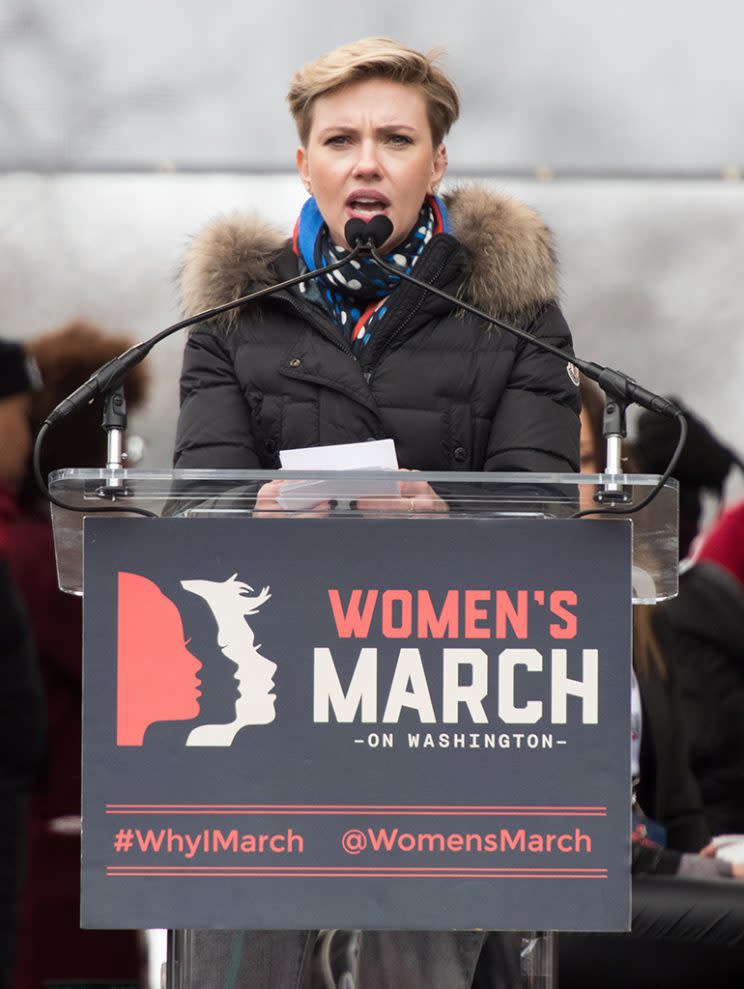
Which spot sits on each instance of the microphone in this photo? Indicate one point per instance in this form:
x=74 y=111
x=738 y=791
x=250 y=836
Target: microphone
x=354 y=232
x=369 y=236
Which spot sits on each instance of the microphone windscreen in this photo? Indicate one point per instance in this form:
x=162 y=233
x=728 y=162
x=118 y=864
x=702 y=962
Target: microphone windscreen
x=378 y=230
x=354 y=231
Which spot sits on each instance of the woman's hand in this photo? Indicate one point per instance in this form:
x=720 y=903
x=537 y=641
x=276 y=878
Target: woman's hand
x=267 y=499
x=416 y=497
x=711 y=851
x=268 y=506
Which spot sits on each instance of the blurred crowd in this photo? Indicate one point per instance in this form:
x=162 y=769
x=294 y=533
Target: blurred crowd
x=687 y=748
x=41 y=942
x=687 y=732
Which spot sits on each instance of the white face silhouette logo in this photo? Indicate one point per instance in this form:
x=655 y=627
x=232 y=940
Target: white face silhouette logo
x=231 y=603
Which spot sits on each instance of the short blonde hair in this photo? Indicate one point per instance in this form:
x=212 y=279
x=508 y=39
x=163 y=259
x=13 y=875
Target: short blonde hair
x=375 y=58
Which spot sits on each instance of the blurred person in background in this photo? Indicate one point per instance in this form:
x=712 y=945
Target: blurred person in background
x=664 y=788
x=52 y=948
x=707 y=618
x=687 y=916
x=21 y=719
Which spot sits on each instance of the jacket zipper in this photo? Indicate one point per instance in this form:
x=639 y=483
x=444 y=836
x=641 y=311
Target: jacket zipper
x=399 y=329
x=328 y=330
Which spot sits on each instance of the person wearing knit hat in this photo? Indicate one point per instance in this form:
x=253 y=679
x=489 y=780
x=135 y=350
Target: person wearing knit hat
x=21 y=729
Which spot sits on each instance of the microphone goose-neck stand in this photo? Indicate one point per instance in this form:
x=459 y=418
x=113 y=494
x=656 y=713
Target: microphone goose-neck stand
x=620 y=389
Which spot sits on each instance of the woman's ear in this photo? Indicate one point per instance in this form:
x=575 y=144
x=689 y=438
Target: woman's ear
x=303 y=168
x=439 y=167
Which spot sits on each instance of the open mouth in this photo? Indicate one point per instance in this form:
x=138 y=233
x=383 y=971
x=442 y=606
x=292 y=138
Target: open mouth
x=366 y=205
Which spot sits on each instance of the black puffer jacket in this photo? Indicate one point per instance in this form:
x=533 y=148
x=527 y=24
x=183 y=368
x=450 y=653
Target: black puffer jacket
x=708 y=621
x=668 y=791
x=453 y=392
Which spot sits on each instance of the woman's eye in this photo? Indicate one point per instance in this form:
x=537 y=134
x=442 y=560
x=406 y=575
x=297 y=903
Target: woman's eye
x=400 y=139
x=337 y=140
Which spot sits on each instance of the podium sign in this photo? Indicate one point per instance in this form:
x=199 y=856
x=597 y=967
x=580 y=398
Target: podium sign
x=366 y=723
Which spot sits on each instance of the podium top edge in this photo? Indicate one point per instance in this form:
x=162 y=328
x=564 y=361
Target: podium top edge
x=73 y=474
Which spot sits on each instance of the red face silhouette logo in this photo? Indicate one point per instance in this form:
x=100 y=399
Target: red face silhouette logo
x=156 y=673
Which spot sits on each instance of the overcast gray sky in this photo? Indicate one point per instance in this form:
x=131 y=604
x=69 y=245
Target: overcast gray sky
x=590 y=87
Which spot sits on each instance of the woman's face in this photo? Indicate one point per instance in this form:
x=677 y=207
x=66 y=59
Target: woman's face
x=369 y=152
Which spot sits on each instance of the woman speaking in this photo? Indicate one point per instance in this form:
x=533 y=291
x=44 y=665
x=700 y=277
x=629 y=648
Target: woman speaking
x=361 y=354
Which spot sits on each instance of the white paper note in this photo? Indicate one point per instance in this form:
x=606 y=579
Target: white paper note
x=373 y=455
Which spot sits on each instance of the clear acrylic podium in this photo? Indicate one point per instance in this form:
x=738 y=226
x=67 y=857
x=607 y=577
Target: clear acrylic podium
x=220 y=494
x=232 y=493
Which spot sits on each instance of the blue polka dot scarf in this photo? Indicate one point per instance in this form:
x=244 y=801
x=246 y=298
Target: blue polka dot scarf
x=356 y=295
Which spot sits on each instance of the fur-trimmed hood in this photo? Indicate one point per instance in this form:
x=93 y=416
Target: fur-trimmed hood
x=510 y=265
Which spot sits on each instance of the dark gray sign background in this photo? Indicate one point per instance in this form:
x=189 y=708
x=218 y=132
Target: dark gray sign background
x=294 y=761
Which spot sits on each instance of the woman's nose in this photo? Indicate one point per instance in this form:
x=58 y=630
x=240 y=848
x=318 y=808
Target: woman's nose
x=367 y=162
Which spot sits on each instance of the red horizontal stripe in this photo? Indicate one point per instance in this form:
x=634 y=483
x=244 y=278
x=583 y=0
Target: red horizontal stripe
x=354 y=808
x=372 y=870
x=353 y=875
